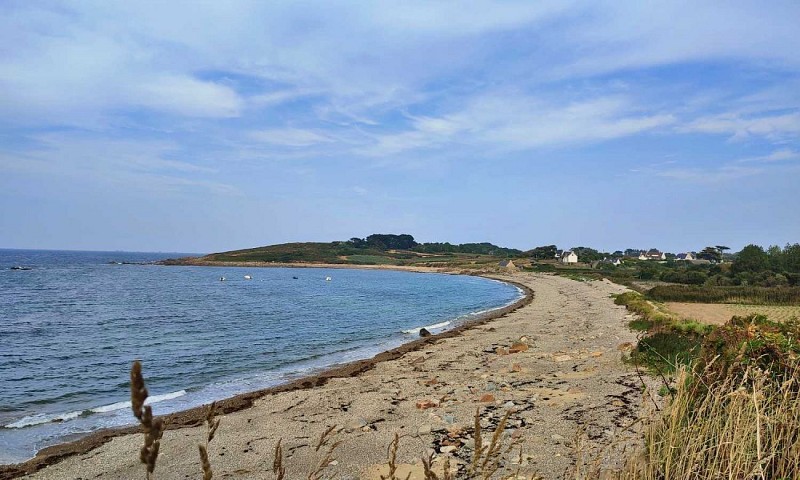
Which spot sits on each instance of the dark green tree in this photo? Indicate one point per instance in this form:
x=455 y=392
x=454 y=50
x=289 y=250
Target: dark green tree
x=752 y=258
x=711 y=254
x=586 y=254
x=544 y=252
x=386 y=241
x=791 y=258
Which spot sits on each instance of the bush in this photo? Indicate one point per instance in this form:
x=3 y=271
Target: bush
x=666 y=351
x=752 y=340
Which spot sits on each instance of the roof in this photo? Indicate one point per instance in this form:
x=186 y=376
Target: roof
x=506 y=263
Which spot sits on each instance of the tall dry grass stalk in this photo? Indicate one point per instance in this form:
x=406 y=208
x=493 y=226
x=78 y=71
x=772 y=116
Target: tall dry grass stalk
x=326 y=439
x=153 y=428
x=278 y=468
x=327 y=459
x=211 y=428
x=393 y=446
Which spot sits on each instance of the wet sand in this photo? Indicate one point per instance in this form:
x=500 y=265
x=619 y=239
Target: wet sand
x=570 y=379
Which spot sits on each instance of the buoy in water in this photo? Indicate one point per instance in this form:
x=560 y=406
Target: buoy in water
x=248 y=277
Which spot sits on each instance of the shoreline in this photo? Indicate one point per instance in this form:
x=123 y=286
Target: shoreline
x=197 y=262
x=195 y=416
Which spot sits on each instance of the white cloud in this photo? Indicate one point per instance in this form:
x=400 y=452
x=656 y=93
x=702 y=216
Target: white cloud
x=187 y=96
x=509 y=121
x=614 y=35
x=776 y=156
x=773 y=127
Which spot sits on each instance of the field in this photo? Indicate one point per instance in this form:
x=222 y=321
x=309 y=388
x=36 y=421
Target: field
x=719 y=313
x=744 y=295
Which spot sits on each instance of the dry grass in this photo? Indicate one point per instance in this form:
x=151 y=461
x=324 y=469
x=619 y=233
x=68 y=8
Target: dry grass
x=211 y=428
x=742 y=428
x=326 y=439
x=719 y=313
x=778 y=313
x=153 y=428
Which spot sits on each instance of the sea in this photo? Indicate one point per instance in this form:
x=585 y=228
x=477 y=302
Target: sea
x=71 y=324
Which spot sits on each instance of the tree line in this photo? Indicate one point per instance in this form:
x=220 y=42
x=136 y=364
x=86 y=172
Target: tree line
x=387 y=241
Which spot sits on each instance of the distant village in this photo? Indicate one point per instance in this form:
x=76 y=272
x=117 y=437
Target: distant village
x=653 y=254
x=589 y=256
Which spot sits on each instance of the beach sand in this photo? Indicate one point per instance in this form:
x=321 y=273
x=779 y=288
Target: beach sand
x=570 y=381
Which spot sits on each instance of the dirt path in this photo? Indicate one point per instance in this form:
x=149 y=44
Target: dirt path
x=570 y=378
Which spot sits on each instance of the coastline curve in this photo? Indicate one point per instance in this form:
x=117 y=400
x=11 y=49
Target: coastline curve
x=195 y=416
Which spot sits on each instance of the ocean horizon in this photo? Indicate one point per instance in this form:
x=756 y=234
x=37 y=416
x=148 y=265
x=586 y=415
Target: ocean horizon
x=72 y=322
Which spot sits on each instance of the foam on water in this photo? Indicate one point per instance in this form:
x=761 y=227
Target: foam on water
x=435 y=326
x=33 y=420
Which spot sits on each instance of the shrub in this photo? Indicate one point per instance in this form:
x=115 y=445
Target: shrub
x=752 y=340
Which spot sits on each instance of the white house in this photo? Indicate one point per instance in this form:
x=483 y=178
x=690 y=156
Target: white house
x=685 y=256
x=568 y=257
x=616 y=262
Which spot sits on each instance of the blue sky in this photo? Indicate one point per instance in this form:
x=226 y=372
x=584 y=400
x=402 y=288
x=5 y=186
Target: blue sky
x=209 y=126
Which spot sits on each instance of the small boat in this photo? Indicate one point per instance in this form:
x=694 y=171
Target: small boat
x=327 y=279
x=221 y=279
x=21 y=268
x=295 y=278
x=248 y=277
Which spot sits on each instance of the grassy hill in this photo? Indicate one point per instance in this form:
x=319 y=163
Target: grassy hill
x=345 y=253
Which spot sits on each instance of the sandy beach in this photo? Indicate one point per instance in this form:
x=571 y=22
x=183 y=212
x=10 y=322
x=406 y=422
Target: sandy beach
x=569 y=379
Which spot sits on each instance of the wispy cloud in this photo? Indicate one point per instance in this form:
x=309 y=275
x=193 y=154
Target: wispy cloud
x=772 y=127
x=513 y=121
x=776 y=156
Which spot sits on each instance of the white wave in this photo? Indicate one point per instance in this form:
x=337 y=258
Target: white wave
x=150 y=400
x=429 y=327
x=40 y=419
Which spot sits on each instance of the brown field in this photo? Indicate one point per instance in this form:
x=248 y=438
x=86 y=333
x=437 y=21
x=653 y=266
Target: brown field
x=719 y=313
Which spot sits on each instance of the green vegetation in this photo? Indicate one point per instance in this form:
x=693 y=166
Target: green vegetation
x=670 y=342
x=376 y=249
x=545 y=252
x=666 y=351
x=294 y=252
x=471 y=248
x=733 y=387
x=741 y=295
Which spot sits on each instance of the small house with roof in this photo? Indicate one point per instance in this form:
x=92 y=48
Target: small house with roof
x=685 y=257
x=507 y=264
x=568 y=256
x=652 y=254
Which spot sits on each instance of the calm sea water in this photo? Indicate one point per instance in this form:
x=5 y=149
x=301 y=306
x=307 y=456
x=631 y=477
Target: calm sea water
x=71 y=326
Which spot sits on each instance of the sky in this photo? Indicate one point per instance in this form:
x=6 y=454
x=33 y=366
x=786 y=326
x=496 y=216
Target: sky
x=200 y=126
